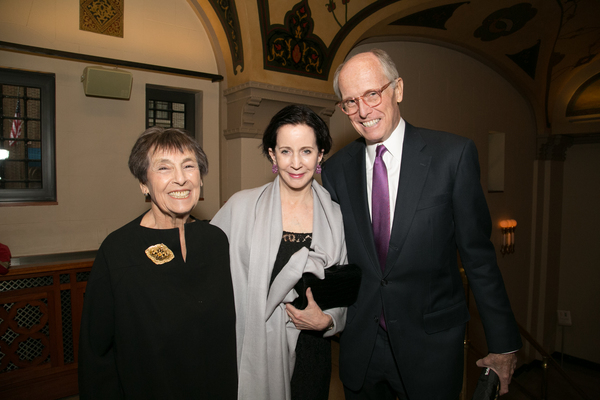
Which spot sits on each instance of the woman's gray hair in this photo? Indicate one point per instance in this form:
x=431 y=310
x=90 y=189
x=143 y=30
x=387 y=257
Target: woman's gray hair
x=157 y=139
x=387 y=65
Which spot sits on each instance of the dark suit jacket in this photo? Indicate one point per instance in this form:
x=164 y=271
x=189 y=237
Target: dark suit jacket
x=440 y=208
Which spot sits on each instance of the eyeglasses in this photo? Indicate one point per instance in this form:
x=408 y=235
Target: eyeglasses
x=372 y=98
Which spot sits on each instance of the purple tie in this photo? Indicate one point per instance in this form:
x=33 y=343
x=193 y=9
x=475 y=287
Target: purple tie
x=380 y=205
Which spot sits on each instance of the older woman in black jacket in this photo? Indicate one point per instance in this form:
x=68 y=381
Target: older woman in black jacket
x=158 y=319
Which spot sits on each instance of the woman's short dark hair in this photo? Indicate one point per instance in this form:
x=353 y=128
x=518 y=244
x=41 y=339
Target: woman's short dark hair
x=158 y=139
x=296 y=115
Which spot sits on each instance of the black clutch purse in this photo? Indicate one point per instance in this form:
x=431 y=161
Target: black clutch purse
x=488 y=386
x=338 y=289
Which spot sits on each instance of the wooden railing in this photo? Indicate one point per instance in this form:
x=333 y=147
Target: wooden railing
x=40 y=314
x=547 y=360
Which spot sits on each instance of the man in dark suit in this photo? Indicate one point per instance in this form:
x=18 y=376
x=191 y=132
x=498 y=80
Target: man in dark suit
x=404 y=335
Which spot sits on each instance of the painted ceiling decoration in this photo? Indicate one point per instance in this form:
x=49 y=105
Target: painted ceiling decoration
x=539 y=45
x=331 y=6
x=584 y=60
x=435 y=17
x=498 y=24
x=228 y=16
x=293 y=48
x=505 y=21
x=527 y=59
x=101 y=16
x=571 y=34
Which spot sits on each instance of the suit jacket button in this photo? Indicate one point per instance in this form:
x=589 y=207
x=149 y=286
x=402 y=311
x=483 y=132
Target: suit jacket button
x=376 y=319
x=384 y=282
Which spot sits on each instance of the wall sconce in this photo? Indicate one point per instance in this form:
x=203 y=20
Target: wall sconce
x=508 y=236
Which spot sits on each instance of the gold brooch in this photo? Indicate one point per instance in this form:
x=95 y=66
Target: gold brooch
x=159 y=254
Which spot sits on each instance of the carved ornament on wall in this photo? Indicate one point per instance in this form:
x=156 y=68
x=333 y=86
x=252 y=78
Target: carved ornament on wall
x=102 y=16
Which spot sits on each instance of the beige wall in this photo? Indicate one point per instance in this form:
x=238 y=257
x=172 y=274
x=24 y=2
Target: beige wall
x=580 y=252
x=96 y=193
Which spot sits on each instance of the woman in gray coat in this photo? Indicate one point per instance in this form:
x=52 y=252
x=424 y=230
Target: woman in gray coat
x=277 y=232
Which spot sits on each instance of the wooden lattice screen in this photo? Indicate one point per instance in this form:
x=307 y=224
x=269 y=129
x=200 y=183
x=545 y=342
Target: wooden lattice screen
x=40 y=313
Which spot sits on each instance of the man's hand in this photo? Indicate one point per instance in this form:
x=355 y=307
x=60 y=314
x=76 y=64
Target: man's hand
x=503 y=364
x=311 y=318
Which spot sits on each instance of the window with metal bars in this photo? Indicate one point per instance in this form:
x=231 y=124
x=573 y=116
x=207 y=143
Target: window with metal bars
x=170 y=108
x=27 y=138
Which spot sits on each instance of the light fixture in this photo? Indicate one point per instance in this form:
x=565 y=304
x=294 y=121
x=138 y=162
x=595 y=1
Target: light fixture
x=508 y=236
x=3 y=154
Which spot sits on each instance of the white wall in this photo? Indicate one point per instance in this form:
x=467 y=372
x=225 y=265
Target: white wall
x=95 y=190
x=580 y=252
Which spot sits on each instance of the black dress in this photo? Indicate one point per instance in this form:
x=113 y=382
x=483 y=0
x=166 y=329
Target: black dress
x=312 y=372
x=165 y=331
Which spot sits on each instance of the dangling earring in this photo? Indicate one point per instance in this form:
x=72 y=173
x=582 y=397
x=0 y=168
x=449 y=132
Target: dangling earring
x=274 y=169
x=318 y=170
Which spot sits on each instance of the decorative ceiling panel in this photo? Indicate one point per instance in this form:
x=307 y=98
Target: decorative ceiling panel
x=435 y=17
x=228 y=16
x=294 y=48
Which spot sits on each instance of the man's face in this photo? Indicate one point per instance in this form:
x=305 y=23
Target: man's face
x=364 y=73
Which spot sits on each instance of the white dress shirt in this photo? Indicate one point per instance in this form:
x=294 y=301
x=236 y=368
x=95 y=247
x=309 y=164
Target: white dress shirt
x=392 y=159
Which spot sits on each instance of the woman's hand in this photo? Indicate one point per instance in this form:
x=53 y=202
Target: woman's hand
x=311 y=318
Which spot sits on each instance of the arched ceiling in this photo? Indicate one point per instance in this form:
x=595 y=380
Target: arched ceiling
x=540 y=46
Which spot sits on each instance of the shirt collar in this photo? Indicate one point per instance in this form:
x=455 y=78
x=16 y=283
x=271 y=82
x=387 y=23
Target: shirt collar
x=393 y=143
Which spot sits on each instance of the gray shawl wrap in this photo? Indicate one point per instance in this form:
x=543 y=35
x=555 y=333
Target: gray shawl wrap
x=266 y=340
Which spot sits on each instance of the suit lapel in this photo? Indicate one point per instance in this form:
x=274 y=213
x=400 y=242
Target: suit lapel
x=413 y=173
x=356 y=184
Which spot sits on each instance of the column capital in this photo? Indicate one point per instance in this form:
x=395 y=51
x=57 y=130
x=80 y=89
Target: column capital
x=553 y=147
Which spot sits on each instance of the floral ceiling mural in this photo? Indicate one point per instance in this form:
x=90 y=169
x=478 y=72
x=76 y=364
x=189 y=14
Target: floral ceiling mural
x=294 y=48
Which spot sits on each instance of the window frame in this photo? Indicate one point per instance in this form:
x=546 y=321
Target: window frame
x=170 y=95
x=46 y=82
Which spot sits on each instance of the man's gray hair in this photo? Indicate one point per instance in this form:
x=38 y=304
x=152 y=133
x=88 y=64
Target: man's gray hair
x=387 y=65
